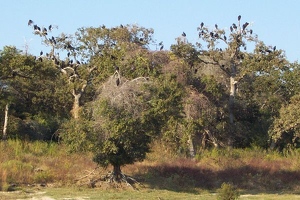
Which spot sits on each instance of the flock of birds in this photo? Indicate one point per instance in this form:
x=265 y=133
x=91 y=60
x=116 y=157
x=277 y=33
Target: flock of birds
x=203 y=31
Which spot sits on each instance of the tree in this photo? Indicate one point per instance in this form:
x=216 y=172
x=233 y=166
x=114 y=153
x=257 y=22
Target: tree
x=121 y=125
x=128 y=115
x=30 y=88
x=285 y=131
x=91 y=55
x=227 y=60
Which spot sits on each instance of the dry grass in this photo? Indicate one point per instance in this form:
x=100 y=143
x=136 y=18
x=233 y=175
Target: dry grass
x=249 y=170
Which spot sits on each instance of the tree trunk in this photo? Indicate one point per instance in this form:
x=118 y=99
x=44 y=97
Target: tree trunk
x=191 y=147
x=76 y=106
x=117 y=174
x=4 y=136
x=233 y=87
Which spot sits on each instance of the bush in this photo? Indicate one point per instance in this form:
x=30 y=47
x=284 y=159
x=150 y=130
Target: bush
x=227 y=192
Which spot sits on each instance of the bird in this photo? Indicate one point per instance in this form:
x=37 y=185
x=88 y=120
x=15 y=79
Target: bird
x=117 y=68
x=161 y=48
x=118 y=81
x=225 y=38
x=231 y=29
x=216 y=25
x=183 y=34
x=161 y=43
x=245 y=25
x=68 y=54
x=202 y=24
x=50 y=27
x=251 y=31
x=30 y=22
x=41 y=53
x=45 y=31
x=274 y=48
x=239 y=17
x=234 y=26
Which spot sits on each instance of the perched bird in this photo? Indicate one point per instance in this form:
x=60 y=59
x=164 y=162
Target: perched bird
x=216 y=25
x=251 y=31
x=68 y=54
x=234 y=26
x=162 y=47
x=41 y=53
x=50 y=28
x=183 y=34
x=274 y=48
x=161 y=43
x=117 y=68
x=45 y=31
x=231 y=29
x=245 y=25
x=118 y=81
x=225 y=38
x=239 y=17
x=202 y=24
x=30 y=22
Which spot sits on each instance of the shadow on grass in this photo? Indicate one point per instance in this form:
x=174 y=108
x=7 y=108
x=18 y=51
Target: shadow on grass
x=190 y=177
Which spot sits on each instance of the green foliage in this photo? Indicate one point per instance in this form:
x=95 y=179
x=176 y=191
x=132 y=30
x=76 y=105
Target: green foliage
x=286 y=128
x=78 y=137
x=123 y=139
x=227 y=192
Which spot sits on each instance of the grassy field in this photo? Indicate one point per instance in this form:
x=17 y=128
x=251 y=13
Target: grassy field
x=40 y=170
x=72 y=193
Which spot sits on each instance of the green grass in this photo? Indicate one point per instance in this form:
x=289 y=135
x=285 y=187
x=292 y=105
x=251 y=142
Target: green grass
x=73 y=193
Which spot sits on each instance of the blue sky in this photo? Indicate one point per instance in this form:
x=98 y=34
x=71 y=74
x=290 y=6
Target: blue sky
x=276 y=22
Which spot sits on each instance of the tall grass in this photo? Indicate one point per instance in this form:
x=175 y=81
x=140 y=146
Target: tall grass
x=32 y=163
x=253 y=169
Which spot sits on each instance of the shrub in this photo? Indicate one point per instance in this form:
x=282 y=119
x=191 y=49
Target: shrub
x=227 y=192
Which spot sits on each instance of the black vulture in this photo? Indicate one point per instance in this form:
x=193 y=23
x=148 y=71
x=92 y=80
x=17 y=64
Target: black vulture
x=30 y=22
x=183 y=34
x=41 y=53
x=118 y=81
x=251 y=31
x=245 y=25
x=68 y=54
x=45 y=31
x=225 y=38
x=202 y=24
x=117 y=68
x=50 y=28
x=239 y=17
x=274 y=48
x=234 y=26
x=216 y=25
x=231 y=29
x=161 y=48
x=160 y=43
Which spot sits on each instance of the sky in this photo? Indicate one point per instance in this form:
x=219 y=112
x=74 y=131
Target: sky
x=276 y=22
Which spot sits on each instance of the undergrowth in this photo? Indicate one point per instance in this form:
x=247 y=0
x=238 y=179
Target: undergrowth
x=41 y=163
